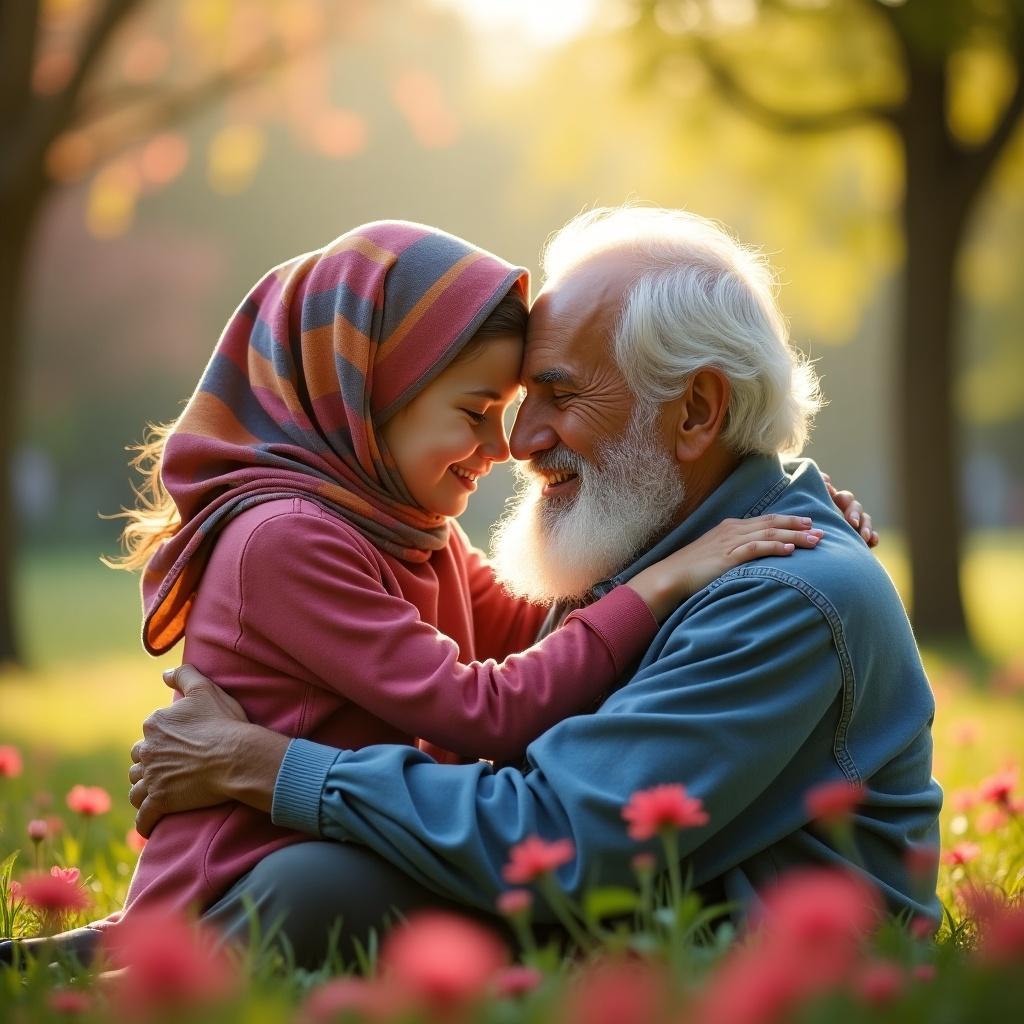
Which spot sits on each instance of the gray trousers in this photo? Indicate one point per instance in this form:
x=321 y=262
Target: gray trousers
x=299 y=893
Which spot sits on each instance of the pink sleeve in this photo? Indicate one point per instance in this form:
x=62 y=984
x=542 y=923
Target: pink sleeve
x=309 y=589
x=502 y=624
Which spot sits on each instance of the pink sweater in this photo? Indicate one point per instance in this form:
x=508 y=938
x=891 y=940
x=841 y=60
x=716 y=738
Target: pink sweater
x=318 y=634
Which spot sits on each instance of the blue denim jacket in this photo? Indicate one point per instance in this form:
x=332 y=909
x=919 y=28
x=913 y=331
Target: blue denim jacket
x=782 y=674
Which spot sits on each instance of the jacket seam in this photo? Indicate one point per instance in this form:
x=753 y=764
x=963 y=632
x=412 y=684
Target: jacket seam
x=828 y=610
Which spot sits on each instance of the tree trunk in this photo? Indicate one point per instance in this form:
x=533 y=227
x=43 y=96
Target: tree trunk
x=18 y=214
x=929 y=443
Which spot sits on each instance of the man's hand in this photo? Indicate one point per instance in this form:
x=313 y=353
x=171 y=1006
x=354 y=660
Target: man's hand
x=853 y=512
x=200 y=751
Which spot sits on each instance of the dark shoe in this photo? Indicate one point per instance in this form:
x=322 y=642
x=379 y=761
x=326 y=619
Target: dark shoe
x=79 y=943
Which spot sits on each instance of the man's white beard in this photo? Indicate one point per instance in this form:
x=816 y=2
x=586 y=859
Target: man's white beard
x=546 y=548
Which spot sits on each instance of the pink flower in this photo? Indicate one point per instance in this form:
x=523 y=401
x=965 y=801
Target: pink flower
x=10 y=762
x=616 y=992
x=644 y=864
x=88 y=800
x=921 y=861
x=516 y=980
x=992 y=819
x=534 y=857
x=1001 y=934
x=37 y=830
x=136 y=843
x=54 y=894
x=878 y=982
x=15 y=891
x=515 y=901
x=68 y=874
x=924 y=972
x=833 y=802
x=442 y=960
x=999 y=788
x=69 y=1000
x=963 y=800
x=923 y=928
x=170 y=964
x=962 y=853
x=649 y=811
x=365 y=1000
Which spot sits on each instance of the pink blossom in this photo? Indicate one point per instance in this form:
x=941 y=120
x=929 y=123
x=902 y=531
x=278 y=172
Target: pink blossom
x=1001 y=934
x=165 y=964
x=68 y=874
x=515 y=901
x=923 y=928
x=516 y=980
x=15 y=891
x=962 y=853
x=10 y=762
x=879 y=982
x=534 y=857
x=924 y=972
x=88 y=801
x=37 y=830
x=921 y=861
x=998 y=788
x=616 y=992
x=992 y=819
x=54 y=894
x=69 y=1000
x=833 y=802
x=366 y=1000
x=136 y=843
x=442 y=960
x=649 y=811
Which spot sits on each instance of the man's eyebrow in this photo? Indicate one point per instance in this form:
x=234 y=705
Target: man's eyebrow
x=555 y=375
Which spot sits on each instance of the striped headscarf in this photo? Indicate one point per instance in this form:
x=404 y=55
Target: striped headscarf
x=315 y=360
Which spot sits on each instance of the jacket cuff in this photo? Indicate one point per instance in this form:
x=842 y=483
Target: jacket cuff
x=624 y=622
x=300 y=782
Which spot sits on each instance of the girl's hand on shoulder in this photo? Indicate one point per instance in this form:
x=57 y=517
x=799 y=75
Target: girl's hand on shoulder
x=732 y=542
x=853 y=511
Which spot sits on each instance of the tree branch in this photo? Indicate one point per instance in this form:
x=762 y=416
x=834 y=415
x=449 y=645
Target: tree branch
x=788 y=122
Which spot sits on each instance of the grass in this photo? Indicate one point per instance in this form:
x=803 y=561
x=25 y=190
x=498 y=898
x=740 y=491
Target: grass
x=76 y=712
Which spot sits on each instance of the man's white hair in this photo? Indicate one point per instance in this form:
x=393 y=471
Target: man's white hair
x=701 y=299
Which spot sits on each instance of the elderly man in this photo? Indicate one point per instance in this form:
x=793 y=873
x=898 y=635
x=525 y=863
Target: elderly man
x=660 y=392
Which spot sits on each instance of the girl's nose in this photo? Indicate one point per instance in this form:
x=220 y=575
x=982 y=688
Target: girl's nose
x=495 y=447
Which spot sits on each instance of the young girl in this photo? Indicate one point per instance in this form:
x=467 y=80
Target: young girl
x=300 y=534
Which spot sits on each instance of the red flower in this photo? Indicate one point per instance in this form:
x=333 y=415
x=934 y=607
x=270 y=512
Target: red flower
x=534 y=857
x=54 y=894
x=517 y=980
x=921 y=861
x=10 y=762
x=442 y=960
x=37 y=830
x=962 y=853
x=879 y=982
x=999 y=788
x=833 y=802
x=515 y=901
x=754 y=985
x=170 y=964
x=358 y=997
x=15 y=891
x=69 y=1000
x=924 y=972
x=136 y=843
x=991 y=820
x=616 y=992
x=88 y=800
x=923 y=928
x=68 y=874
x=1001 y=934
x=649 y=811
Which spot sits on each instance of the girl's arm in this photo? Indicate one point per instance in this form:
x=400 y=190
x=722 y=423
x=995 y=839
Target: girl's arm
x=309 y=589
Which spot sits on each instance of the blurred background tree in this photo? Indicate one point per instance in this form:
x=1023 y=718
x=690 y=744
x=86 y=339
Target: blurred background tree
x=947 y=78
x=93 y=84
x=497 y=119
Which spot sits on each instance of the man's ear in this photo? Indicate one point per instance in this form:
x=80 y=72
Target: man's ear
x=702 y=410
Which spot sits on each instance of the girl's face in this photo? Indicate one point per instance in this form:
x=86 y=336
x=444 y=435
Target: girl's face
x=452 y=432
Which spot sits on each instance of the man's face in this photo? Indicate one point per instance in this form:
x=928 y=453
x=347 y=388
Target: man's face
x=576 y=397
x=597 y=481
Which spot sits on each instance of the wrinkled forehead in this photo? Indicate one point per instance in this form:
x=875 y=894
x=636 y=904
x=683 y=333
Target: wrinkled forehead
x=573 y=319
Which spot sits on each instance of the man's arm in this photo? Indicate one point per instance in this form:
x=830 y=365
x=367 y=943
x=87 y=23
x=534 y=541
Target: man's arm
x=744 y=679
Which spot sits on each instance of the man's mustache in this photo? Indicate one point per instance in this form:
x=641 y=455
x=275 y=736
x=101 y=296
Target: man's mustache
x=556 y=460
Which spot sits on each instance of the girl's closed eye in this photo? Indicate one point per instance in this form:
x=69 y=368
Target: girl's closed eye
x=476 y=417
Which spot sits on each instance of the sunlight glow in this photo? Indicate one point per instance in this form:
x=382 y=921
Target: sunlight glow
x=540 y=22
